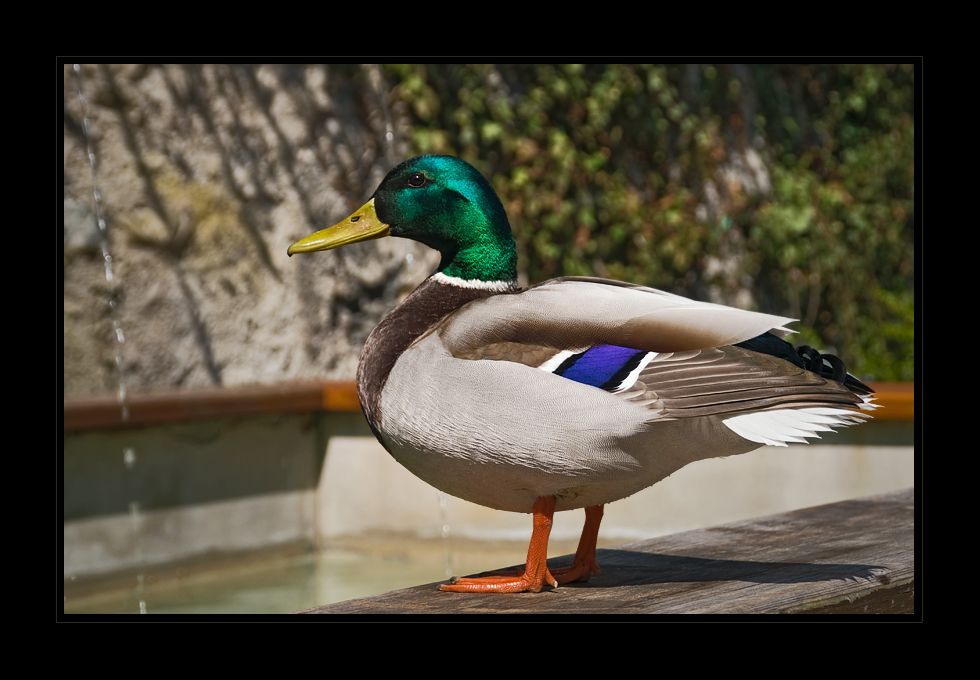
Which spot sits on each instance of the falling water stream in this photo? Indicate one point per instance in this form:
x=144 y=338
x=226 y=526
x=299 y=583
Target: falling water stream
x=128 y=453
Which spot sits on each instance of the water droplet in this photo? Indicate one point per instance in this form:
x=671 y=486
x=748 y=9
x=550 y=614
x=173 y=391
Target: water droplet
x=142 y=607
x=129 y=457
x=119 y=335
x=409 y=258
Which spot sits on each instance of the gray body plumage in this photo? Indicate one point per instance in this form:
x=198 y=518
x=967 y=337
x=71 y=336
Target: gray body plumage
x=467 y=408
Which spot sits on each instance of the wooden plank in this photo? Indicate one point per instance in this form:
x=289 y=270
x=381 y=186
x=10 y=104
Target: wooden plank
x=855 y=556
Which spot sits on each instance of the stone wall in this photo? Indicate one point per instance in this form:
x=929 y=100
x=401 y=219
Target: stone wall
x=205 y=175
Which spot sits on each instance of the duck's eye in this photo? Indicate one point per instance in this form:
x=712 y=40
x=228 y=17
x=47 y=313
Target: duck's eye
x=416 y=179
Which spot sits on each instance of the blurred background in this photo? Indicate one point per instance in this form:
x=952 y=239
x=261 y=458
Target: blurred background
x=785 y=189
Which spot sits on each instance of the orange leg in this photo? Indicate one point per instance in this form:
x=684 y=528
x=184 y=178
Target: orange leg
x=536 y=573
x=584 y=565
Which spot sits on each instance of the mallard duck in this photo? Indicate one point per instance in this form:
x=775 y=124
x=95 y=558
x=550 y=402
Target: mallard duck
x=573 y=393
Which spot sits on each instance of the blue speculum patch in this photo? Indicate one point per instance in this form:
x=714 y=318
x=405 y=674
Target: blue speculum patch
x=603 y=366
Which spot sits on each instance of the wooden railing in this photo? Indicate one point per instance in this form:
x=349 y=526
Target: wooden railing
x=174 y=406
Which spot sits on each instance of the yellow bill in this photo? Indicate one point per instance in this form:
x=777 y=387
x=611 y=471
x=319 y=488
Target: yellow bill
x=363 y=225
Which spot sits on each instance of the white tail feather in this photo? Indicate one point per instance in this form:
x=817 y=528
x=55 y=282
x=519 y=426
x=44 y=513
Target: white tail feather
x=779 y=427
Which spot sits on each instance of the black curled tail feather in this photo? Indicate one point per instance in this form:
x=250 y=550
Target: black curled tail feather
x=832 y=368
x=819 y=363
x=826 y=366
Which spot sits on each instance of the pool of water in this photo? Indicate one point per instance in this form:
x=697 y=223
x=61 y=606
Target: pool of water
x=279 y=584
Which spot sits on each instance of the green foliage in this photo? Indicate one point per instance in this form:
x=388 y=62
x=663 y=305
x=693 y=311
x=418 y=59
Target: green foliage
x=626 y=171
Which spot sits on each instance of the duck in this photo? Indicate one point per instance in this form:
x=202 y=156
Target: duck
x=572 y=393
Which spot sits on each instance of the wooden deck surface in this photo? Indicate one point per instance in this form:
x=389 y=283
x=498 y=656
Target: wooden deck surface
x=852 y=557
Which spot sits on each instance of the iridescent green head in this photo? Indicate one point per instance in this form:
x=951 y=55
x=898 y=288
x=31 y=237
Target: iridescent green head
x=440 y=201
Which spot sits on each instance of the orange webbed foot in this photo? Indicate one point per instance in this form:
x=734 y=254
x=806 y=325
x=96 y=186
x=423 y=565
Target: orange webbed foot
x=536 y=574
